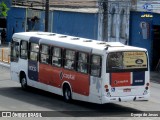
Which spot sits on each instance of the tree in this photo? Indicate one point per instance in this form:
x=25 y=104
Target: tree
x=3 y=9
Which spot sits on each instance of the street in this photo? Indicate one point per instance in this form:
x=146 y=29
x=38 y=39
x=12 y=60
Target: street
x=13 y=98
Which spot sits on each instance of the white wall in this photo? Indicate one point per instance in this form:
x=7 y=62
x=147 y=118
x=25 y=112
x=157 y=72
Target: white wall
x=114 y=21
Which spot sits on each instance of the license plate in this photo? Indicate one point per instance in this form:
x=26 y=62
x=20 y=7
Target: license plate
x=127 y=90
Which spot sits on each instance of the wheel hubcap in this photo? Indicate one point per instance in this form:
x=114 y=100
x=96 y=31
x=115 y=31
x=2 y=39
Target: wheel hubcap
x=24 y=82
x=67 y=94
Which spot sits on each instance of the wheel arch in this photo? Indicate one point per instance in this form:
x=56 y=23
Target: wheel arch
x=66 y=83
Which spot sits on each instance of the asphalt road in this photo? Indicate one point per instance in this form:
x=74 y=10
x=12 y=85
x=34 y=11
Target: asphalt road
x=13 y=98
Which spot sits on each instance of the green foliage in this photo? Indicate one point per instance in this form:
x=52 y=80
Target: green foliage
x=3 y=9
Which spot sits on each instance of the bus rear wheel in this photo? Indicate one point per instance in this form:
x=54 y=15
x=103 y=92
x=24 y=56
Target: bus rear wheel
x=67 y=93
x=23 y=82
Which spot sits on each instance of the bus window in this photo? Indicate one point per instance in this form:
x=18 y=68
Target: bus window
x=115 y=60
x=96 y=65
x=24 y=49
x=44 y=55
x=69 y=59
x=14 y=51
x=82 y=62
x=34 y=49
x=127 y=61
x=56 y=57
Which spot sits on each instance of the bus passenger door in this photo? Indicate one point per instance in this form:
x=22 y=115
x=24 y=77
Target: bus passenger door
x=14 y=61
x=33 y=64
x=95 y=88
x=95 y=79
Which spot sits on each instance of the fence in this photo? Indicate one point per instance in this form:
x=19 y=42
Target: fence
x=5 y=55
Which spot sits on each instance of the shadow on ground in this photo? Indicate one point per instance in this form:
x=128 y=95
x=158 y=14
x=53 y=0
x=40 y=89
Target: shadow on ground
x=61 y=109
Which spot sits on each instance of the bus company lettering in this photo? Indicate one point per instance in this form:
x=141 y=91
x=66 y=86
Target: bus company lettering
x=33 y=68
x=138 y=81
x=134 y=53
x=67 y=76
x=121 y=81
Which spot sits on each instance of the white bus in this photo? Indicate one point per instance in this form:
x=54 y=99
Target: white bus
x=80 y=69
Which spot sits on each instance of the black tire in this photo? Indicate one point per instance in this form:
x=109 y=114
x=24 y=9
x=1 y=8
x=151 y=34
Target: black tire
x=67 y=95
x=24 y=82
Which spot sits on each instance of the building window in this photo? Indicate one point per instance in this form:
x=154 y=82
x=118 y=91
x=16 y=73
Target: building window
x=82 y=63
x=24 y=49
x=113 y=23
x=44 y=56
x=122 y=24
x=57 y=57
x=70 y=59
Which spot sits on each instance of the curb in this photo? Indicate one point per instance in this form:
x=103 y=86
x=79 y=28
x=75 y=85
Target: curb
x=4 y=64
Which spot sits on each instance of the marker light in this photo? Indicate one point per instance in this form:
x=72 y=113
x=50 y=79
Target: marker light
x=106 y=86
x=147 y=84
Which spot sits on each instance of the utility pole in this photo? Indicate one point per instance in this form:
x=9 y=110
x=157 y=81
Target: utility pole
x=46 y=15
x=105 y=20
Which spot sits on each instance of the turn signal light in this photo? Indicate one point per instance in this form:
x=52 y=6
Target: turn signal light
x=106 y=86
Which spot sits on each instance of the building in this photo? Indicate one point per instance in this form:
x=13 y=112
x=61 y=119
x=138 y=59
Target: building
x=114 y=19
x=81 y=22
x=133 y=22
x=145 y=28
x=106 y=20
x=25 y=18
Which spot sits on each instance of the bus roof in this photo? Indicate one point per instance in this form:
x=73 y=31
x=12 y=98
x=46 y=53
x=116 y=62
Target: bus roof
x=78 y=42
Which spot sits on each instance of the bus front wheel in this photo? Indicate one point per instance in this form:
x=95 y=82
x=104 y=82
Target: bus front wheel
x=67 y=93
x=24 y=82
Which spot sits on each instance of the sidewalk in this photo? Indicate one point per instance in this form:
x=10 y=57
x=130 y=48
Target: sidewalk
x=3 y=64
x=4 y=53
x=155 y=76
x=5 y=46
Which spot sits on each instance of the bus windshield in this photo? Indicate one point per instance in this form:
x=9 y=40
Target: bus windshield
x=127 y=61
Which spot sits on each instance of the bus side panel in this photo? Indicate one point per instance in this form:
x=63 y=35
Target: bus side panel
x=120 y=79
x=79 y=82
x=45 y=74
x=57 y=73
x=33 y=70
x=138 y=78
